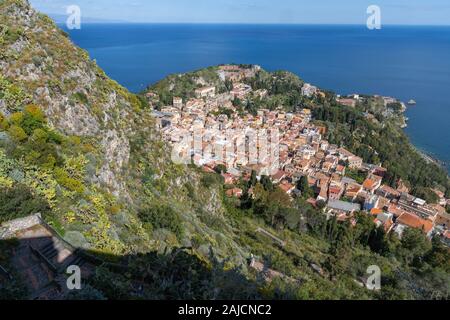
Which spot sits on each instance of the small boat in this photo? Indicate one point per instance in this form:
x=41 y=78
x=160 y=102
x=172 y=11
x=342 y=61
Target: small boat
x=412 y=102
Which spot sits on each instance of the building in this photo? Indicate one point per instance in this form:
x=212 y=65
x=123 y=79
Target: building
x=206 y=92
x=240 y=90
x=228 y=178
x=443 y=219
x=371 y=202
x=386 y=220
x=340 y=207
x=287 y=187
x=178 y=103
x=309 y=90
x=235 y=192
x=388 y=192
x=371 y=184
x=355 y=162
x=280 y=175
x=347 y=102
x=334 y=192
x=412 y=221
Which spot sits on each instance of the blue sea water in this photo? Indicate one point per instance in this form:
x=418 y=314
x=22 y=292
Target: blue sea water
x=404 y=62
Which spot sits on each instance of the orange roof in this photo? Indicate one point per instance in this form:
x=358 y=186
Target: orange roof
x=414 y=221
x=334 y=189
x=279 y=175
x=369 y=184
x=208 y=169
x=236 y=192
x=354 y=188
x=286 y=187
x=376 y=211
x=396 y=211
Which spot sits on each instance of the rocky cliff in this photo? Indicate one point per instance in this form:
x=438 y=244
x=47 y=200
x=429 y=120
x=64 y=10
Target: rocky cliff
x=112 y=182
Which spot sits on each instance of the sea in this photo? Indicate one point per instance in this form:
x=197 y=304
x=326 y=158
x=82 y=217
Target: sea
x=406 y=62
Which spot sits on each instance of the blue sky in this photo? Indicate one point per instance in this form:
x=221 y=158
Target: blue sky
x=411 y=12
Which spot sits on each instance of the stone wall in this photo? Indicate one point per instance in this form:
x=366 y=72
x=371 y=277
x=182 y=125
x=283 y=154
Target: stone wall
x=10 y=228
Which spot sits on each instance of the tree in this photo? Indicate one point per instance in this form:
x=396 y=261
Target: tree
x=439 y=255
x=377 y=240
x=33 y=118
x=303 y=186
x=321 y=204
x=228 y=85
x=426 y=194
x=364 y=229
x=220 y=168
x=332 y=229
x=267 y=183
x=338 y=260
x=18 y=202
x=279 y=197
x=447 y=193
x=237 y=103
x=414 y=246
x=253 y=179
x=163 y=217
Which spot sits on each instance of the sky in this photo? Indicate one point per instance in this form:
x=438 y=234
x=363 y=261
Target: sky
x=403 y=12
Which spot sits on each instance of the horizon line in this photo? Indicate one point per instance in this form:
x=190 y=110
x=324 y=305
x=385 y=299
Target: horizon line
x=253 y=23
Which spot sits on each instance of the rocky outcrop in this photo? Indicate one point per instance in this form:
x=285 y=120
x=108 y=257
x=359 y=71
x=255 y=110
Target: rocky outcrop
x=9 y=229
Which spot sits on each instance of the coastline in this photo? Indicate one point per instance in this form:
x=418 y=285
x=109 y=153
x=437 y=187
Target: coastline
x=426 y=155
x=431 y=158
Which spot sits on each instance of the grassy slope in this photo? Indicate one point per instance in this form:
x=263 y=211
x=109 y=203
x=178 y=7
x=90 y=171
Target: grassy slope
x=108 y=145
x=103 y=214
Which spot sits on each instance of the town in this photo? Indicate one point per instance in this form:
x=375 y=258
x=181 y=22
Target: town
x=340 y=179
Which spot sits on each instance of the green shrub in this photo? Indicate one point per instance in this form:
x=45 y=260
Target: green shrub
x=33 y=118
x=63 y=178
x=17 y=133
x=19 y=202
x=162 y=217
x=12 y=95
x=80 y=97
x=210 y=179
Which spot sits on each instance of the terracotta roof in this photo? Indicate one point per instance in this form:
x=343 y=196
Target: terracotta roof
x=335 y=189
x=286 y=187
x=376 y=211
x=438 y=208
x=396 y=211
x=414 y=221
x=208 y=169
x=369 y=184
x=279 y=175
x=390 y=190
x=236 y=192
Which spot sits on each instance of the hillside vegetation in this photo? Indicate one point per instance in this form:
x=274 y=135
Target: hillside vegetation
x=79 y=148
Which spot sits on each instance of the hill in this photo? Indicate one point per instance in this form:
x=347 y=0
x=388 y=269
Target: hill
x=83 y=151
